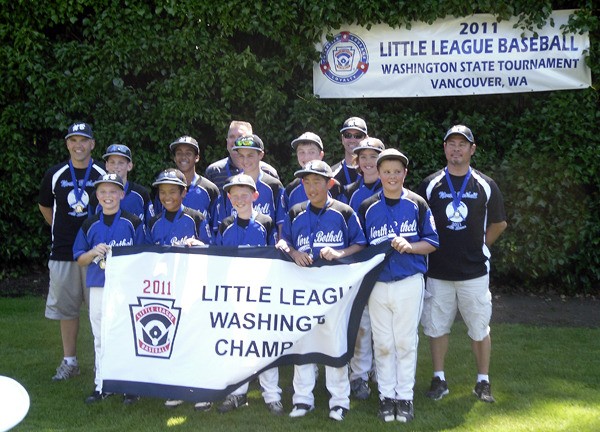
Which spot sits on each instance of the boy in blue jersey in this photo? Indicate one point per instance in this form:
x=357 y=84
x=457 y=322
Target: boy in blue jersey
x=307 y=146
x=111 y=227
x=137 y=200
x=368 y=184
x=248 y=227
x=398 y=215
x=320 y=228
x=176 y=224
x=250 y=150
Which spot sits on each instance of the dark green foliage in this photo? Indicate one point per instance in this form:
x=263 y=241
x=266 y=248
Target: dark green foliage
x=143 y=73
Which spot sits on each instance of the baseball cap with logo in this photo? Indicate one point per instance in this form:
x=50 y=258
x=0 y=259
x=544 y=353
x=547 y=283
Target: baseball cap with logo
x=187 y=140
x=240 y=180
x=249 y=141
x=308 y=137
x=170 y=176
x=392 y=154
x=117 y=150
x=369 y=144
x=110 y=178
x=315 y=167
x=355 y=123
x=460 y=130
x=82 y=129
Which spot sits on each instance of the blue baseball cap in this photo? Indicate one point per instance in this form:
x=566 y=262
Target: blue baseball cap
x=111 y=178
x=82 y=129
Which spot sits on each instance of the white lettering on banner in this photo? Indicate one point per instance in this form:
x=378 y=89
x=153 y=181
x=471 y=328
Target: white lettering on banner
x=456 y=56
x=166 y=312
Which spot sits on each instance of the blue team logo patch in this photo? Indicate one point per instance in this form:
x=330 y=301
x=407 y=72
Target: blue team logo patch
x=344 y=59
x=155 y=323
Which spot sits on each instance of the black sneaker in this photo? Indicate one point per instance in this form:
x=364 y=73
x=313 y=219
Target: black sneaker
x=202 y=406
x=275 y=408
x=233 y=402
x=387 y=410
x=438 y=389
x=405 y=411
x=129 y=399
x=483 y=391
x=360 y=389
x=338 y=413
x=96 y=396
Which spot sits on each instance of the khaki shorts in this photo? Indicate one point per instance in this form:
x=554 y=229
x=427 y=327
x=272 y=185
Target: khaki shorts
x=67 y=290
x=471 y=297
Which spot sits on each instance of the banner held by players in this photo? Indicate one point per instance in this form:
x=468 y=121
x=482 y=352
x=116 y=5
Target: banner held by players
x=195 y=323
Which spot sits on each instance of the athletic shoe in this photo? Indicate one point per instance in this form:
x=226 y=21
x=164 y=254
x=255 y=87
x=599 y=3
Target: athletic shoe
x=65 y=371
x=387 y=410
x=438 y=389
x=173 y=403
x=405 y=411
x=202 y=406
x=338 y=413
x=360 y=389
x=129 y=399
x=233 y=402
x=96 y=396
x=483 y=391
x=275 y=408
x=300 y=410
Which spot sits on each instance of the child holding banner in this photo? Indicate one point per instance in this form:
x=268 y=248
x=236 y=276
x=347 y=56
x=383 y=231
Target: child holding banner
x=396 y=301
x=248 y=227
x=111 y=227
x=320 y=228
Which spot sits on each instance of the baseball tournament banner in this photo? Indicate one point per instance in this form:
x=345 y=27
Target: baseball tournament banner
x=196 y=323
x=451 y=57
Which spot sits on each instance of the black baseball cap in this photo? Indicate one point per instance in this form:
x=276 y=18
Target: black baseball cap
x=170 y=176
x=117 y=150
x=240 y=180
x=354 y=123
x=392 y=154
x=369 y=144
x=460 y=130
x=249 y=141
x=315 y=167
x=82 y=129
x=187 y=140
x=308 y=137
x=111 y=178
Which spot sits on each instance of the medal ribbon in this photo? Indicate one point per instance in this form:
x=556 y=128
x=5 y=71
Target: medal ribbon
x=456 y=197
x=76 y=190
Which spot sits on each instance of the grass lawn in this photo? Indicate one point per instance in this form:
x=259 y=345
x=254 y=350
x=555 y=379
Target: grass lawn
x=543 y=378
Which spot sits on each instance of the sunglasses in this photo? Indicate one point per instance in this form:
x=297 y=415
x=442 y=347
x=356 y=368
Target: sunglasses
x=349 y=135
x=117 y=148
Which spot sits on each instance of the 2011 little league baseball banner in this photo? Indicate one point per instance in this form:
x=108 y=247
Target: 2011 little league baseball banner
x=451 y=57
x=195 y=323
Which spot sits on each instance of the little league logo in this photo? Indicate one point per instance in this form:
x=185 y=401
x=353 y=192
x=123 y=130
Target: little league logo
x=155 y=323
x=345 y=58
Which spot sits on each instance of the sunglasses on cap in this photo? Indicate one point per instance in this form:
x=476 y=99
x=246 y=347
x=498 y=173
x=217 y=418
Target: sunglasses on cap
x=350 y=135
x=117 y=148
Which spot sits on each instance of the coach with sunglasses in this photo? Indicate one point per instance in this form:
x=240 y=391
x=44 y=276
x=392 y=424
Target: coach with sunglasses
x=353 y=131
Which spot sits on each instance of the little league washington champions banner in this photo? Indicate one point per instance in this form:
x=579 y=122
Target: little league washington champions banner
x=196 y=323
x=451 y=57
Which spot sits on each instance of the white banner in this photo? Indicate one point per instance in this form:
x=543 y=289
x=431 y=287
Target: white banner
x=195 y=323
x=453 y=56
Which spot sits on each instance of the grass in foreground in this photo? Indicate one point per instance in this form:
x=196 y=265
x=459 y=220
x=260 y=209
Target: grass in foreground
x=543 y=378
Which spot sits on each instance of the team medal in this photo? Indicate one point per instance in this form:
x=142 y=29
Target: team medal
x=79 y=193
x=310 y=253
x=456 y=197
x=78 y=208
x=102 y=263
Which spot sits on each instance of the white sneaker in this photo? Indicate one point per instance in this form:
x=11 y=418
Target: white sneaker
x=300 y=410
x=172 y=403
x=338 y=413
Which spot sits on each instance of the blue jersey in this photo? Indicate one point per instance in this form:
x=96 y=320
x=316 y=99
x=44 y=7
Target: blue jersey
x=120 y=229
x=201 y=195
x=407 y=217
x=259 y=230
x=309 y=229
x=269 y=200
x=359 y=191
x=137 y=201
x=171 y=229
x=295 y=194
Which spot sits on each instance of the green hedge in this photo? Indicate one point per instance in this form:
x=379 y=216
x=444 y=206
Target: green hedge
x=143 y=74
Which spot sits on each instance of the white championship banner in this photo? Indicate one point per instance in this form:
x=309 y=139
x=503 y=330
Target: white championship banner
x=451 y=57
x=195 y=323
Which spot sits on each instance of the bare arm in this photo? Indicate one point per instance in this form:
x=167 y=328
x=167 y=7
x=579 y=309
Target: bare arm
x=493 y=231
x=331 y=254
x=47 y=213
x=417 y=248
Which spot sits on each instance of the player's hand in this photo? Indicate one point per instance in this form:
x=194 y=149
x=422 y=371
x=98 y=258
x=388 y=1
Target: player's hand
x=282 y=245
x=401 y=245
x=193 y=242
x=330 y=254
x=101 y=249
x=301 y=258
